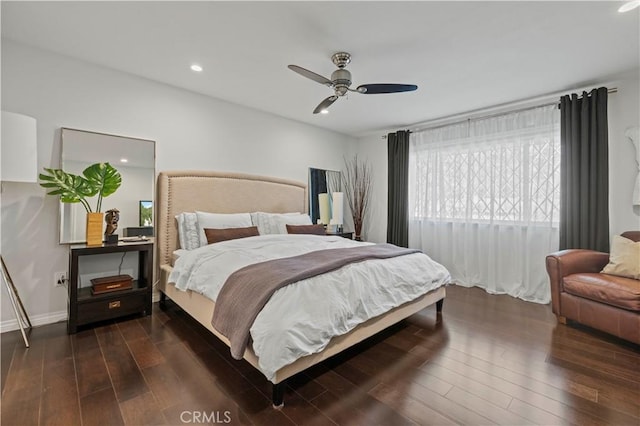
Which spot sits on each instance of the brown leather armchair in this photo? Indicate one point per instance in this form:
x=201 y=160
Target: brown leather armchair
x=579 y=292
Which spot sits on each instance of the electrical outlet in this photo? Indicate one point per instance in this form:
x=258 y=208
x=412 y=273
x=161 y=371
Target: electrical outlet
x=59 y=279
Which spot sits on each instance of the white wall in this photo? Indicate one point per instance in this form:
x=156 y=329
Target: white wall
x=373 y=149
x=191 y=132
x=623 y=112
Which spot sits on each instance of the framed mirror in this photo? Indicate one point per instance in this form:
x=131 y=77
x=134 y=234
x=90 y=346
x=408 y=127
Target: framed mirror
x=134 y=158
x=322 y=181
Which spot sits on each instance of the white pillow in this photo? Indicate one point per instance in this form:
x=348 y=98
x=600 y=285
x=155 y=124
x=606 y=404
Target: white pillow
x=265 y=222
x=624 y=259
x=188 y=232
x=220 y=221
x=276 y=223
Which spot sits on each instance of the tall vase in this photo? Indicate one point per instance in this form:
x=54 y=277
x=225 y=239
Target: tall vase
x=357 y=225
x=94 y=228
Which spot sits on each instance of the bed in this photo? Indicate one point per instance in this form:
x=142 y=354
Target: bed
x=188 y=191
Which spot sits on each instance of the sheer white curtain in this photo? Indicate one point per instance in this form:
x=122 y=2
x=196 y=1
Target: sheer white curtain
x=484 y=199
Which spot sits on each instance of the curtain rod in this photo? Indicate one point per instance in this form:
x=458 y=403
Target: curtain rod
x=469 y=116
x=609 y=91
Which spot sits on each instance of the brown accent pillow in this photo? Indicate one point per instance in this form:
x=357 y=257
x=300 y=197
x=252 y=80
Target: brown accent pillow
x=306 y=229
x=216 y=235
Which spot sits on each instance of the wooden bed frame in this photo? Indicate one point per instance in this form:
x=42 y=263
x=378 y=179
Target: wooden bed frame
x=188 y=191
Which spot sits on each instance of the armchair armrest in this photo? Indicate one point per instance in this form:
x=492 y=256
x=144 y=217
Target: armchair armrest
x=572 y=261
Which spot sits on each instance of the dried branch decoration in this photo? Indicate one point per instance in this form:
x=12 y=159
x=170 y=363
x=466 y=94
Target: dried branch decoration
x=357 y=185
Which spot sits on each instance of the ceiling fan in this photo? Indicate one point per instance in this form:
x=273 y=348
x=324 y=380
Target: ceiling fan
x=341 y=80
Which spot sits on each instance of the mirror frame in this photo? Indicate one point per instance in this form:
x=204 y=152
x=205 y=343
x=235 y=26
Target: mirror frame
x=313 y=196
x=141 y=197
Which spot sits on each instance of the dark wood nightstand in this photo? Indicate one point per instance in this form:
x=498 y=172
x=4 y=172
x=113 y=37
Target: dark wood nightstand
x=347 y=235
x=86 y=308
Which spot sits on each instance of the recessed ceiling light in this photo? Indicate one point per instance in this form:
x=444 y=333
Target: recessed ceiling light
x=124 y=160
x=630 y=5
x=196 y=68
x=324 y=111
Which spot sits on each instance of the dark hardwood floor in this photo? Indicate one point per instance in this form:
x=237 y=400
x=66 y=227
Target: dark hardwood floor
x=491 y=360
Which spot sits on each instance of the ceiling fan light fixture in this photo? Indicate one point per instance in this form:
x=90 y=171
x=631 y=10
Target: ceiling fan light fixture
x=630 y=5
x=341 y=82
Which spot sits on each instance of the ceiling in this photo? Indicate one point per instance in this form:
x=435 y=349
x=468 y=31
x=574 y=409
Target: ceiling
x=462 y=55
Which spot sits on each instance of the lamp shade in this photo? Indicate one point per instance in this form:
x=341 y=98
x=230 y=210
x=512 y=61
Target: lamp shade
x=325 y=209
x=19 y=148
x=337 y=211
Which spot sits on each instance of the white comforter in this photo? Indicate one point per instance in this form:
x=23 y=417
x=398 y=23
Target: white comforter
x=301 y=319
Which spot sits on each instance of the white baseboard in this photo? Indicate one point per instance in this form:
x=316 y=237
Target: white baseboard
x=36 y=320
x=50 y=318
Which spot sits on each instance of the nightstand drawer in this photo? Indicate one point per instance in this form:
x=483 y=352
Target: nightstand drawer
x=124 y=304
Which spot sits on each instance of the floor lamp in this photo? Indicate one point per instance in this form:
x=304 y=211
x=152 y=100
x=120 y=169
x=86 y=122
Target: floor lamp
x=19 y=164
x=16 y=302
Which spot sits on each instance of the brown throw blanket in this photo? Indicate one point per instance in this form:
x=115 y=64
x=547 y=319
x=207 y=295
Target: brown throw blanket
x=248 y=289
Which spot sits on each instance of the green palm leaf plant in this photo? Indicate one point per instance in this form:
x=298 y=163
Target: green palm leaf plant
x=100 y=179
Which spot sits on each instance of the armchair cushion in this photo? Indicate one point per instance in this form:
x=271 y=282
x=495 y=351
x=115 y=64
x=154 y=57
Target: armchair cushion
x=624 y=259
x=610 y=289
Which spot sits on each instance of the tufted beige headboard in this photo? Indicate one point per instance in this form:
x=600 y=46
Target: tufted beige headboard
x=218 y=192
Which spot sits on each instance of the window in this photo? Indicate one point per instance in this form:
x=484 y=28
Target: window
x=504 y=168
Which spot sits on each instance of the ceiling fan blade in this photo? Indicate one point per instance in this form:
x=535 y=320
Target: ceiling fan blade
x=374 y=89
x=311 y=75
x=325 y=104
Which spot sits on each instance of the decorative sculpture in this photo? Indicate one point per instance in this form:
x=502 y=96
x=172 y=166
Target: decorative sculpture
x=111 y=217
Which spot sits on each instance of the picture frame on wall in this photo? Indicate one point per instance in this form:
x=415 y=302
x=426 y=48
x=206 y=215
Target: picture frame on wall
x=146 y=213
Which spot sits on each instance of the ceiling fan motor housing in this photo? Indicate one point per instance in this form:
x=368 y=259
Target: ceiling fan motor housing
x=341 y=79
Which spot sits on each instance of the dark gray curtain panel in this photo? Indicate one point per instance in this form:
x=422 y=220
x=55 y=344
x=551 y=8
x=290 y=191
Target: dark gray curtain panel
x=398 y=188
x=584 y=173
